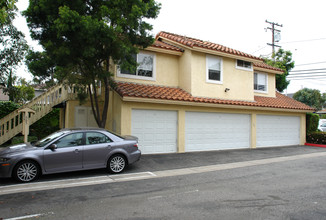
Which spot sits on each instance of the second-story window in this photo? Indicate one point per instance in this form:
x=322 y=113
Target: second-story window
x=260 y=82
x=214 y=72
x=145 y=69
x=241 y=64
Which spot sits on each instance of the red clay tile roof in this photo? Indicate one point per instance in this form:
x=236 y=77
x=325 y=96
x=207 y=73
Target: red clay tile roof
x=192 y=42
x=163 y=45
x=266 y=66
x=177 y=94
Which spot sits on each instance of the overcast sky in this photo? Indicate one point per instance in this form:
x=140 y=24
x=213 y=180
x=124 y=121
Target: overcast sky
x=241 y=25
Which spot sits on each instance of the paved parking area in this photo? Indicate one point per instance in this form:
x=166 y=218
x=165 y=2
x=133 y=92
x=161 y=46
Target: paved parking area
x=162 y=162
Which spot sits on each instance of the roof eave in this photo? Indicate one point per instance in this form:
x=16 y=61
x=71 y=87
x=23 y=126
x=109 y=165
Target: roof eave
x=268 y=70
x=164 y=50
x=212 y=105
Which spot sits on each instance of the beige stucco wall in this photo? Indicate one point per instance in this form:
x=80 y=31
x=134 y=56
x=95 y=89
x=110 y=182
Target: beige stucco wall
x=185 y=73
x=126 y=109
x=166 y=71
x=271 y=84
x=188 y=72
x=239 y=82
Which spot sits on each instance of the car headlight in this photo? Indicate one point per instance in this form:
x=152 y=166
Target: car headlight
x=4 y=159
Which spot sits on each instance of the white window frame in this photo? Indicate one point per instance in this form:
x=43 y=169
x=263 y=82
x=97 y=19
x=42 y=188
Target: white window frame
x=153 y=78
x=266 y=82
x=243 y=68
x=208 y=57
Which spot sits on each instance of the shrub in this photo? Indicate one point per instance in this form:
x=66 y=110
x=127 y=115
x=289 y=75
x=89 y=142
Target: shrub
x=20 y=139
x=7 y=107
x=46 y=125
x=312 y=121
x=316 y=137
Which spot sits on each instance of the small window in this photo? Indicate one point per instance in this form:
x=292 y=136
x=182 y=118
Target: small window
x=214 y=69
x=241 y=64
x=96 y=138
x=70 y=140
x=260 y=82
x=145 y=68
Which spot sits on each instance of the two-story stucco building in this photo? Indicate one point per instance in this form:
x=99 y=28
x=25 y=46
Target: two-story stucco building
x=192 y=95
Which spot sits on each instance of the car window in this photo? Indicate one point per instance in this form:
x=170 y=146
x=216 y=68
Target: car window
x=96 y=138
x=323 y=125
x=48 y=139
x=70 y=140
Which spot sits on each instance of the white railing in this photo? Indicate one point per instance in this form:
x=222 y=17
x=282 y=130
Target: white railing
x=11 y=125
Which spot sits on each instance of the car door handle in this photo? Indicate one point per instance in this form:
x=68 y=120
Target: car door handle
x=76 y=151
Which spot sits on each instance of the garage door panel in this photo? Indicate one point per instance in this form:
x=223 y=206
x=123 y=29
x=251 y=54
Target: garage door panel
x=216 y=131
x=156 y=130
x=277 y=130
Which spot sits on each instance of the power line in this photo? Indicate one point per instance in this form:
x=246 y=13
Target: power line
x=259 y=49
x=306 y=74
x=295 y=71
x=306 y=64
x=300 y=41
x=308 y=78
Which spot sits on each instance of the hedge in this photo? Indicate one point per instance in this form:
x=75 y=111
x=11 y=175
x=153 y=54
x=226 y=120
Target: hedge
x=20 y=139
x=312 y=121
x=7 y=107
x=317 y=137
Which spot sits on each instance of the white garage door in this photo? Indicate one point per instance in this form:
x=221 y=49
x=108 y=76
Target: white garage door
x=277 y=130
x=216 y=131
x=156 y=130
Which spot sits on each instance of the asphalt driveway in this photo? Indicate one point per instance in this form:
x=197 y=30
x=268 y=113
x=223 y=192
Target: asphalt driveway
x=161 y=162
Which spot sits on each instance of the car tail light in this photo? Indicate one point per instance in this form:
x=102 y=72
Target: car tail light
x=135 y=145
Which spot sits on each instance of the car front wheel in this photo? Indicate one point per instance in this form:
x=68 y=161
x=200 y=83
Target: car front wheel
x=26 y=171
x=117 y=163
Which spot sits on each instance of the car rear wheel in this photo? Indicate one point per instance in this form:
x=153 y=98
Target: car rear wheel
x=26 y=171
x=117 y=163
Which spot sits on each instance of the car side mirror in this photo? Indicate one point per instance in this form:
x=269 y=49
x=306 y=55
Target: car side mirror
x=53 y=147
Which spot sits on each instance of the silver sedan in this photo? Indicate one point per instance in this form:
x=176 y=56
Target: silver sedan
x=69 y=150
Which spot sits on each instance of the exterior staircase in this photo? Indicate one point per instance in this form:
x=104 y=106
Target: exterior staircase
x=12 y=124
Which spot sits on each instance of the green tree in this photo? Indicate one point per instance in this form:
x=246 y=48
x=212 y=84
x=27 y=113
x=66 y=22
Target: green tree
x=282 y=59
x=21 y=93
x=311 y=97
x=7 y=10
x=41 y=66
x=81 y=37
x=12 y=43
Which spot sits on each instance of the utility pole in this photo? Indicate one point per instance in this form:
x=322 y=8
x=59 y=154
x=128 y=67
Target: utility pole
x=274 y=32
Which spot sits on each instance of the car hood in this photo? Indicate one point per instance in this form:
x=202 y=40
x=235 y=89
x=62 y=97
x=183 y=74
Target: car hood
x=17 y=148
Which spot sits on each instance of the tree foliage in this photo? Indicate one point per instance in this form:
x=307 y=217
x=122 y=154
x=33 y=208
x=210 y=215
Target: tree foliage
x=282 y=59
x=21 y=93
x=12 y=43
x=82 y=36
x=7 y=11
x=311 y=97
x=41 y=66
x=7 y=107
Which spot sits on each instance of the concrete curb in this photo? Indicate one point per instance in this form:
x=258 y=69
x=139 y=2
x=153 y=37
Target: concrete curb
x=315 y=145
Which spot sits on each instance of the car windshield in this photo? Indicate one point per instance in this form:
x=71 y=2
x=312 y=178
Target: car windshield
x=48 y=139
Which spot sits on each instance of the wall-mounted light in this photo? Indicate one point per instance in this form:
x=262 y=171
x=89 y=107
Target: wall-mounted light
x=226 y=90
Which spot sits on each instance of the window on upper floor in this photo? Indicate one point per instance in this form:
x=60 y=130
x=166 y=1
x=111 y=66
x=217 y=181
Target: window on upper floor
x=145 y=69
x=260 y=82
x=241 y=64
x=214 y=72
